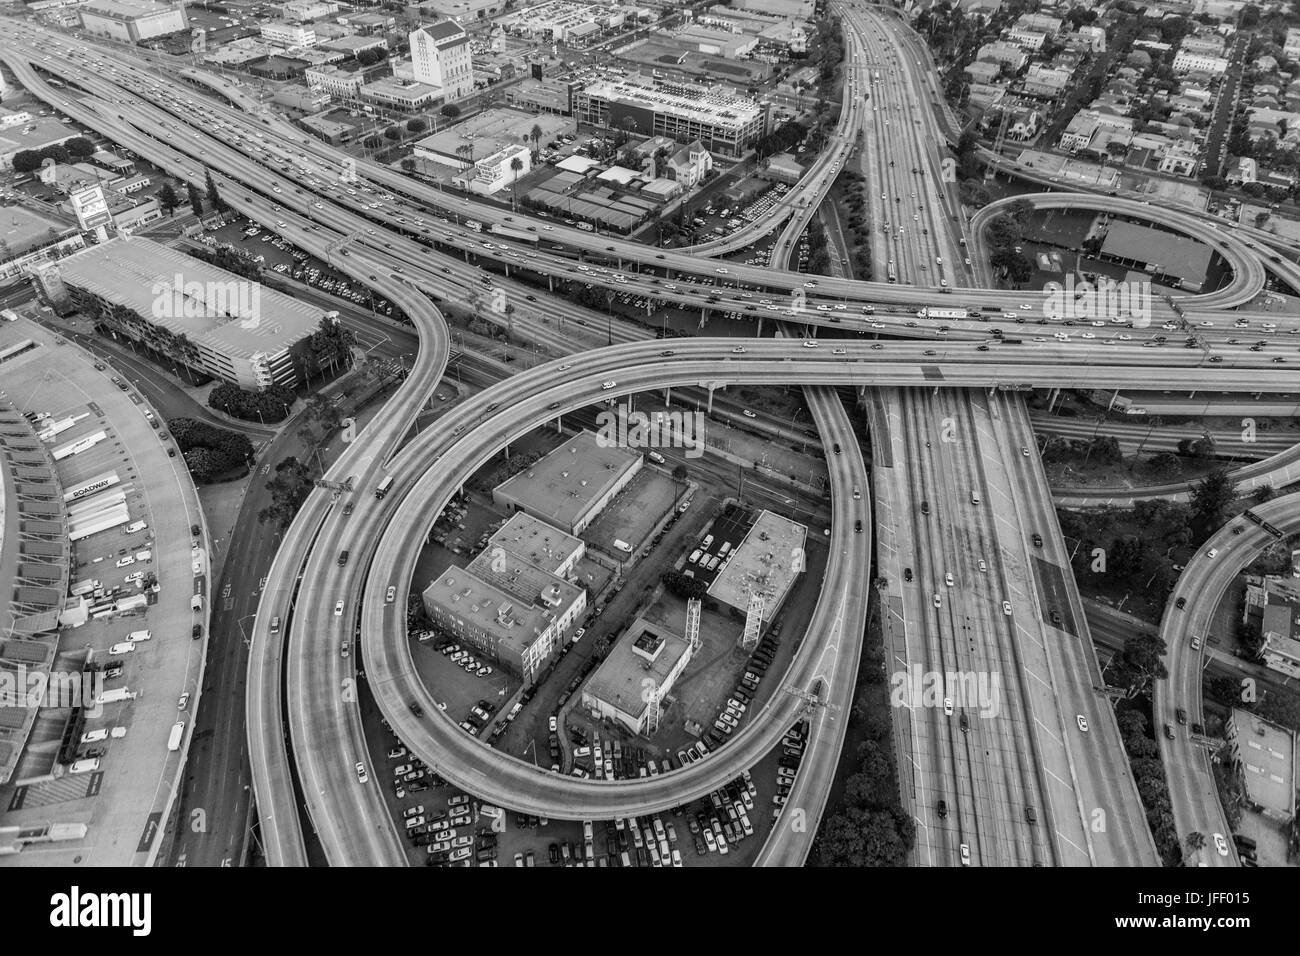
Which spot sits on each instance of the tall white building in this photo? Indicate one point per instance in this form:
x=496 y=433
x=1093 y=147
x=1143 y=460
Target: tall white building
x=440 y=56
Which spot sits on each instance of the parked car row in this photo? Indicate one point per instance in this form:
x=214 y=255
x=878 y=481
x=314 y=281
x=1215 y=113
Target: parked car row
x=464 y=659
x=792 y=747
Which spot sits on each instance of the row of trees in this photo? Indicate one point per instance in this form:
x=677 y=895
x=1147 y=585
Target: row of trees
x=72 y=151
x=1149 y=776
x=272 y=404
x=210 y=453
x=679 y=585
x=869 y=826
x=1005 y=233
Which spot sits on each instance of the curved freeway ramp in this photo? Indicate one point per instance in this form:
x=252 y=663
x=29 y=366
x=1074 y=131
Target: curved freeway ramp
x=1248 y=272
x=1203 y=583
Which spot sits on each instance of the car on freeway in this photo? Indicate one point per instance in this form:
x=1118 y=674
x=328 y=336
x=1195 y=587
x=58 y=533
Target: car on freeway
x=947 y=706
x=810 y=343
x=1082 y=722
x=938 y=601
x=362 y=776
x=390 y=594
x=1006 y=607
x=338 y=609
x=965 y=855
x=1220 y=844
x=606 y=386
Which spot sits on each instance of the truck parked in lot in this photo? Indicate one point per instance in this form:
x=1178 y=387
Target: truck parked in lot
x=622 y=545
x=116 y=695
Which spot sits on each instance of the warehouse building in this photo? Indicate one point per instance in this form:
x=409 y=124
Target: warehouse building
x=724 y=121
x=766 y=562
x=631 y=684
x=541 y=544
x=131 y=21
x=194 y=313
x=1168 y=258
x=572 y=485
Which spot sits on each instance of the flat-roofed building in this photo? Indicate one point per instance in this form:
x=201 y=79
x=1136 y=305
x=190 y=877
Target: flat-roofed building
x=390 y=91
x=498 y=621
x=494 y=172
x=540 y=543
x=195 y=313
x=131 y=21
x=1264 y=758
x=287 y=35
x=720 y=118
x=1170 y=258
x=487 y=132
x=571 y=486
x=634 y=680
x=352 y=45
x=768 y=561
x=462 y=11
x=30 y=238
x=336 y=80
x=546 y=95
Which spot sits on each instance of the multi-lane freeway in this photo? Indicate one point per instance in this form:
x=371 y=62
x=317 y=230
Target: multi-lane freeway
x=415 y=244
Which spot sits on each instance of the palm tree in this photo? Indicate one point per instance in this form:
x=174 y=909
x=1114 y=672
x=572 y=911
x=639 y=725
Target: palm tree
x=516 y=164
x=536 y=134
x=1195 y=843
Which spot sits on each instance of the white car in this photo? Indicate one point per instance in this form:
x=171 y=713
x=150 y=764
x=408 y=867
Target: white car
x=809 y=344
x=1083 y=722
x=125 y=562
x=747 y=413
x=1006 y=607
x=338 y=609
x=608 y=385
x=947 y=706
x=1212 y=552
x=1220 y=844
x=184 y=699
x=390 y=593
x=362 y=776
x=965 y=855
x=553 y=723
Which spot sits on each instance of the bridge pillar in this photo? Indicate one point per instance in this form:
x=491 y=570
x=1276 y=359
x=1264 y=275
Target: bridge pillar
x=759 y=334
x=550 y=283
x=668 y=395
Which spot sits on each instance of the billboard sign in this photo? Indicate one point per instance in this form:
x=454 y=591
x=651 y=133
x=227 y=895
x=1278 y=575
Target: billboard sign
x=90 y=207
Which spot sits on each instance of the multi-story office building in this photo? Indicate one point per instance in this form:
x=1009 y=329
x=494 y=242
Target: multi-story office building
x=194 y=313
x=440 y=56
x=288 y=34
x=724 y=121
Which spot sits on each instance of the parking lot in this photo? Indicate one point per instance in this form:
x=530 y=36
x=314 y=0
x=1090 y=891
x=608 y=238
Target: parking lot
x=717 y=544
x=647 y=499
x=140 y=629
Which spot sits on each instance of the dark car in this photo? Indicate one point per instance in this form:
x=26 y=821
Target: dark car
x=1169 y=732
x=943 y=808
x=1055 y=615
x=907 y=574
x=836 y=447
x=1038 y=540
x=1181 y=603
x=553 y=852
x=857 y=525
x=416 y=709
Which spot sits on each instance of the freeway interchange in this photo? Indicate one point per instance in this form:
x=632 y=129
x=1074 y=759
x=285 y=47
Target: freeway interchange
x=413 y=244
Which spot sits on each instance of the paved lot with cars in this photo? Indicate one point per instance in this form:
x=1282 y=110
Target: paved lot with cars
x=125 y=800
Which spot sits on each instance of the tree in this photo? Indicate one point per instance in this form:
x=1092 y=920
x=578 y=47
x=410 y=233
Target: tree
x=1263 y=493
x=450 y=110
x=214 y=197
x=167 y=199
x=330 y=345
x=79 y=147
x=535 y=134
x=289 y=489
x=680 y=474
x=393 y=133
x=196 y=201
x=1140 y=663
x=1211 y=497
x=416 y=126
x=516 y=165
